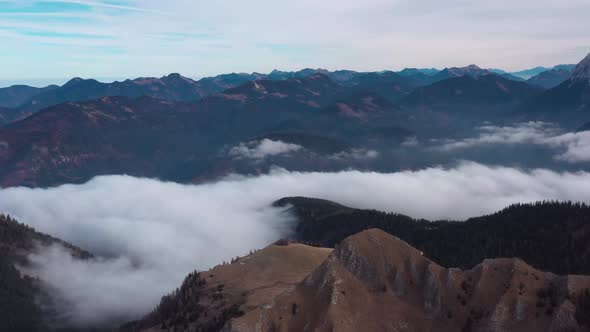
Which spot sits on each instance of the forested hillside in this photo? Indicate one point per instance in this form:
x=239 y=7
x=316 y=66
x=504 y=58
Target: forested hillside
x=551 y=236
x=22 y=298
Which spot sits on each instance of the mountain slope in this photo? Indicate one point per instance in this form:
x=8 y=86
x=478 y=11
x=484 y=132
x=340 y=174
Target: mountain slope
x=388 y=84
x=582 y=70
x=313 y=91
x=362 y=106
x=585 y=127
x=24 y=303
x=207 y=300
x=550 y=79
x=376 y=282
x=372 y=281
x=550 y=236
x=5 y=115
x=277 y=75
x=173 y=87
x=15 y=95
x=529 y=73
x=472 y=71
x=76 y=141
x=573 y=94
x=486 y=89
x=73 y=142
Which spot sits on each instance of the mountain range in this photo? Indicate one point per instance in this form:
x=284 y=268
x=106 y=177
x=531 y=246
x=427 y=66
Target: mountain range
x=17 y=95
x=572 y=95
x=529 y=73
x=25 y=100
x=474 y=88
x=75 y=141
x=183 y=130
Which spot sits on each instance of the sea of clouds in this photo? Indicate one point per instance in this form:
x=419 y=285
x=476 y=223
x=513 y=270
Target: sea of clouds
x=148 y=234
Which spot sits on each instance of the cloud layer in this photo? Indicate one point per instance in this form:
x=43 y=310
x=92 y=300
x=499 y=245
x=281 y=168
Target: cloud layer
x=150 y=234
x=258 y=150
x=571 y=147
x=355 y=154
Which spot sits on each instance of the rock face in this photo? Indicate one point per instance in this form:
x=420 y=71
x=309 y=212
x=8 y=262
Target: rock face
x=573 y=94
x=582 y=70
x=375 y=282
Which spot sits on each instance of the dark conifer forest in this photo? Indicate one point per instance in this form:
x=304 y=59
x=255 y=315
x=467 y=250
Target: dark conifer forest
x=551 y=236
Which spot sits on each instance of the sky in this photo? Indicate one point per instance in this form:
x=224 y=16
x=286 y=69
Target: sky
x=51 y=41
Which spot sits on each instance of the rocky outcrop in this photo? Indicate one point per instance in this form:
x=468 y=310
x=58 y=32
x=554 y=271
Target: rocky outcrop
x=375 y=282
x=582 y=70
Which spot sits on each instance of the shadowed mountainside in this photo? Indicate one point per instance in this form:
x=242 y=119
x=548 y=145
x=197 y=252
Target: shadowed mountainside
x=20 y=101
x=16 y=95
x=482 y=89
x=25 y=306
x=550 y=79
x=372 y=114
x=73 y=142
x=572 y=95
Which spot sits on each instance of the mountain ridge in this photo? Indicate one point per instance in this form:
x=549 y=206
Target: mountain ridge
x=550 y=78
x=371 y=271
x=374 y=281
x=582 y=70
x=478 y=88
x=572 y=95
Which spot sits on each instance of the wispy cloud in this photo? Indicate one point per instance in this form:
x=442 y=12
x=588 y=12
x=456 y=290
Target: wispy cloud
x=367 y=35
x=259 y=150
x=355 y=153
x=570 y=147
x=103 y=4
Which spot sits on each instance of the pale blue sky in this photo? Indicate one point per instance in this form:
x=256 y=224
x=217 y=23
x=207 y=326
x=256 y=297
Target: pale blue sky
x=46 y=41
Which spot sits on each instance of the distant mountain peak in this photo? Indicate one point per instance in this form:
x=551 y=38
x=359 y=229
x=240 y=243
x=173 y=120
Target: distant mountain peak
x=550 y=78
x=74 y=80
x=418 y=71
x=582 y=70
x=472 y=70
x=176 y=77
x=473 y=67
